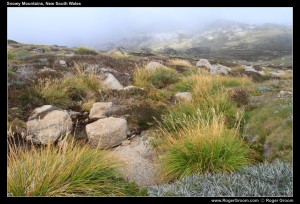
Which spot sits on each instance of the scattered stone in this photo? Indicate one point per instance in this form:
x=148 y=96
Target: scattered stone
x=107 y=132
x=48 y=126
x=99 y=110
x=184 y=96
x=40 y=110
x=285 y=94
x=112 y=83
x=249 y=69
x=154 y=65
x=204 y=63
x=39 y=50
x=219 y=69
x=62 y=63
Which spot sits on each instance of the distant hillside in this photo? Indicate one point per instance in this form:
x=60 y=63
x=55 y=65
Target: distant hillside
x=223 y=39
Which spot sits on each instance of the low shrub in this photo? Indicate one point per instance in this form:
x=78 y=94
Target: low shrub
x=240 y=96
x=275 y=179
x=85 y=51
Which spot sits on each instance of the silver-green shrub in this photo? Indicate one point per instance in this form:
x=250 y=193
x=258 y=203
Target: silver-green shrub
x=274 y=179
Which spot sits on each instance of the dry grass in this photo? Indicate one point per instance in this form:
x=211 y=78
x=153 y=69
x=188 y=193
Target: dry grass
x=65 y=91
x=179 y=62
x=238 y=69
x=287 y=75
x=87 y=106
x=74 y=169
x=141 y=77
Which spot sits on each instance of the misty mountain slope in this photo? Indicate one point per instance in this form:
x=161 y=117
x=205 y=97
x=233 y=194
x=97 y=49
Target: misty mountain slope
x=224 y=39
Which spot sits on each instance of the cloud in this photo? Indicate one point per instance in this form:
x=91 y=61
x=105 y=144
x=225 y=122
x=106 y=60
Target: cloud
x=91 y=26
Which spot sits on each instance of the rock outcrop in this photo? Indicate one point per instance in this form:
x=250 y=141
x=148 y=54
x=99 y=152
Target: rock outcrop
x=183 y=96
x=112 y=83
x=204 y=63
x=214 y=69
x=285 y=94
x=219 y=69
x=99 y=109
x=154 y=65
x=48 y=125
x=107 y=132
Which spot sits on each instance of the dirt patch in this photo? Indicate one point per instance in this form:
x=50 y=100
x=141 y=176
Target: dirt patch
x=139 y=161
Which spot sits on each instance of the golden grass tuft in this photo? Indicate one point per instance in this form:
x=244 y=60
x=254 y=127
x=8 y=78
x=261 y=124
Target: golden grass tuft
x=73 y=169
x=180 y=62
x=203 y=145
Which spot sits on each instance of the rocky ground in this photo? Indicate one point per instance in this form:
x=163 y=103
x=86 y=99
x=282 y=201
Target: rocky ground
x=119 y=117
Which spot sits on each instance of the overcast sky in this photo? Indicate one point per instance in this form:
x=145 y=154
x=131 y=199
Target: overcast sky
x=91 y=26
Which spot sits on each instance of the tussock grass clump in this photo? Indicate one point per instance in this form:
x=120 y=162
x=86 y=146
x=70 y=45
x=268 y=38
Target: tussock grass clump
x=208 y=91
x=141 y=77
x=63 y=92
x=180 y=62
x=238 y=69
x=85 y=51
x=203 y=145
x=74 y=170
x=162 y=77
x=274 y=179
x=158 y=78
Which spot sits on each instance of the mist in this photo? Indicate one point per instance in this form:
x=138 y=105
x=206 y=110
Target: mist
x=93 y=26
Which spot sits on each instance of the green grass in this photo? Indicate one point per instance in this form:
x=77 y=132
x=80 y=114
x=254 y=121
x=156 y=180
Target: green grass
x=271 y=124
x=17 y=54
x=158 y=78
x=75 y=170
x=182 y=86
x=163 y=77
x=203 y=146
x=63 y=92
x=207 y=92
x=85 y=51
